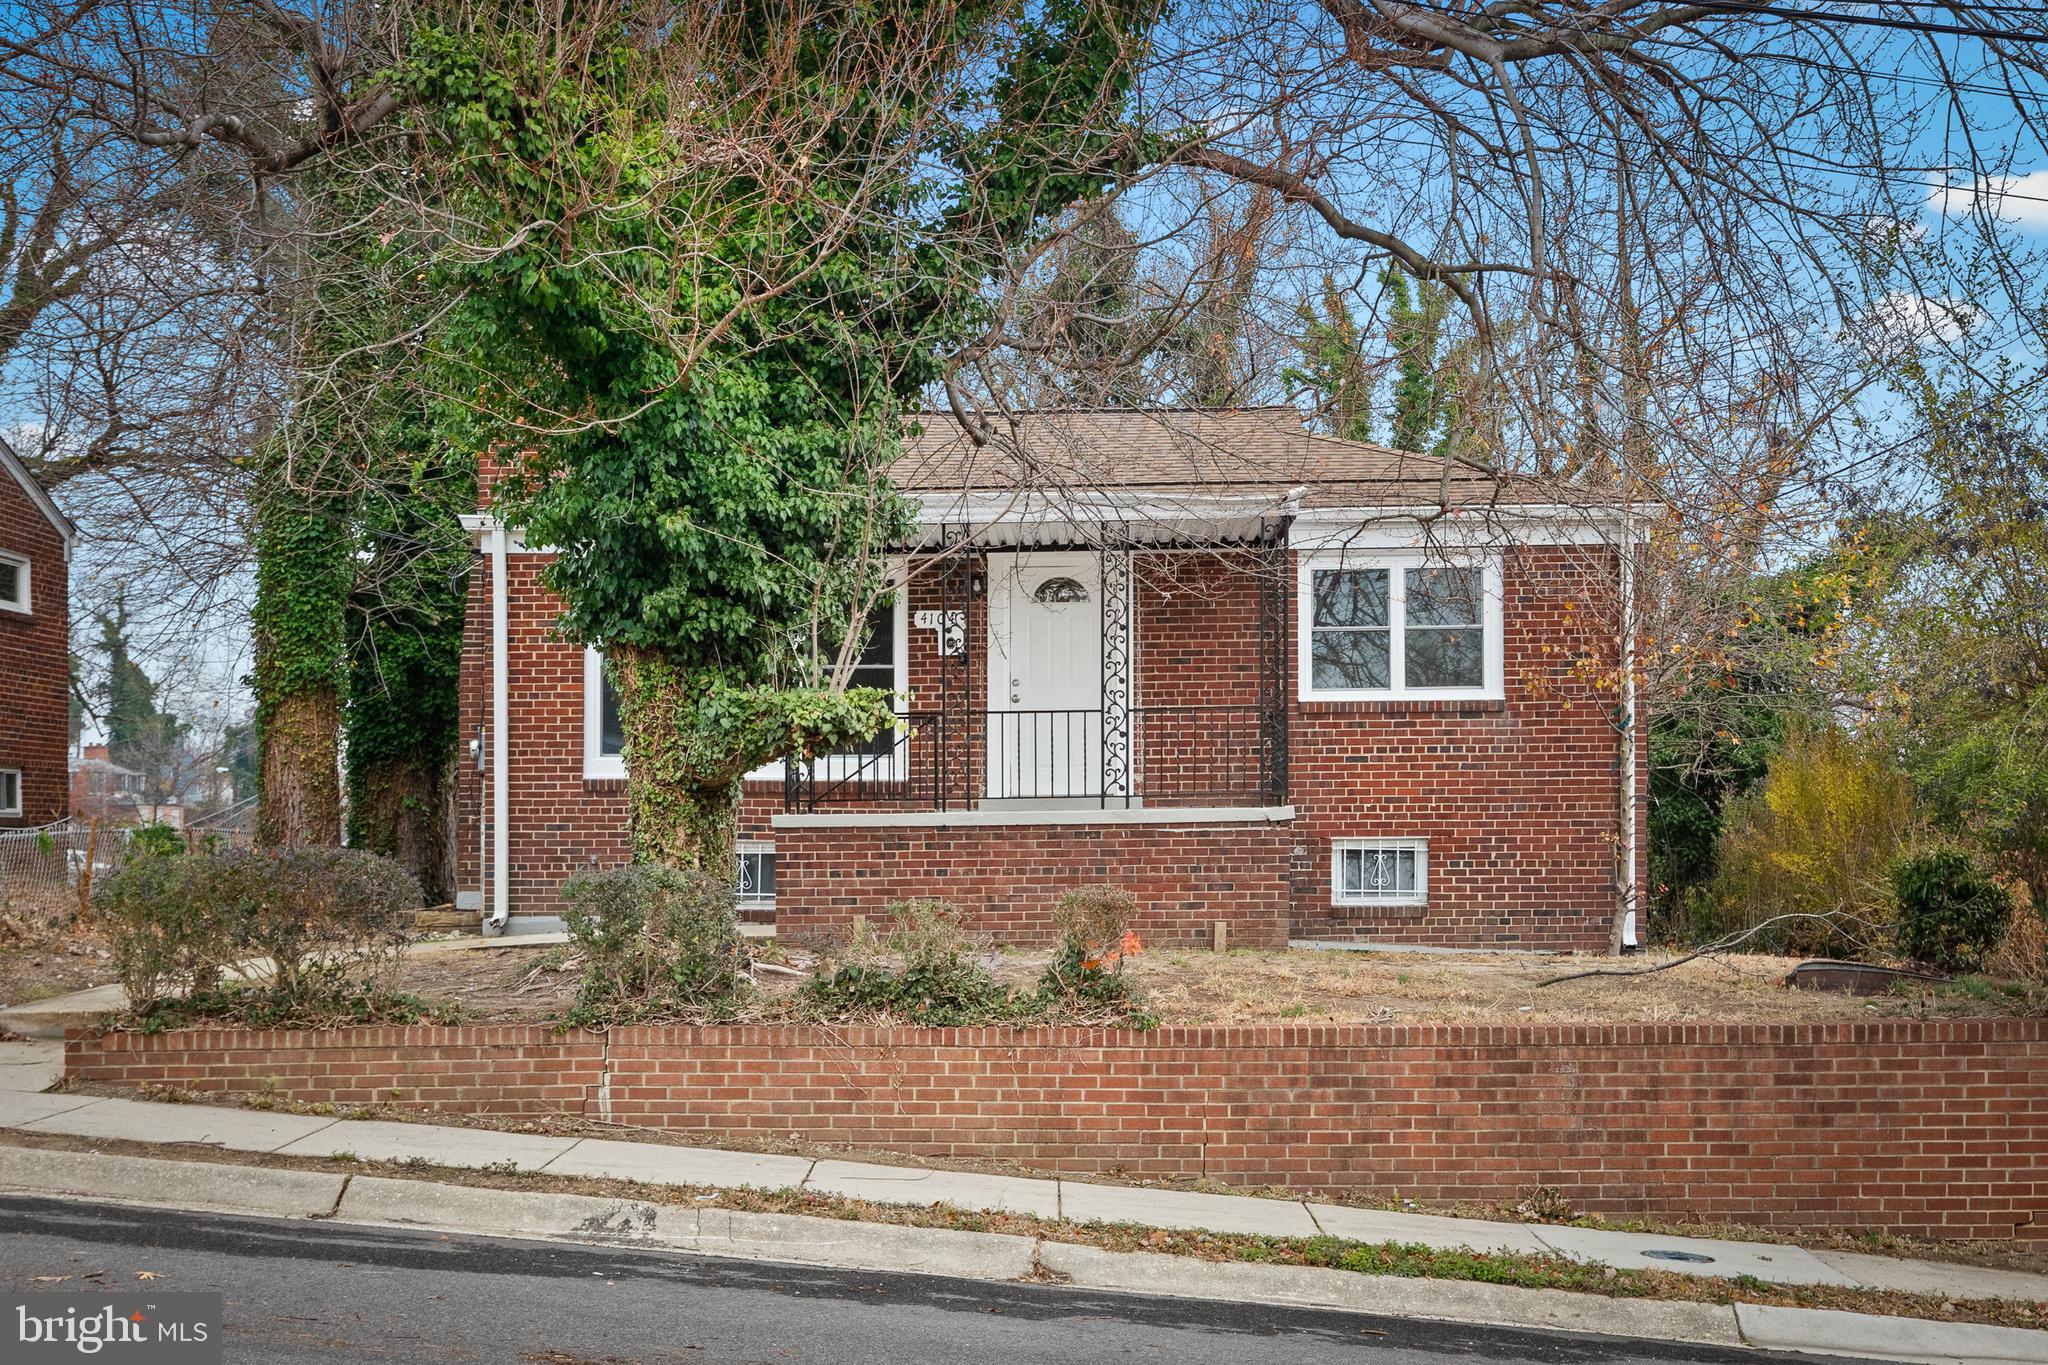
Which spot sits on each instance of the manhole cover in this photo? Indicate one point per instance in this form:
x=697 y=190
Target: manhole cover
x=1691 y=1257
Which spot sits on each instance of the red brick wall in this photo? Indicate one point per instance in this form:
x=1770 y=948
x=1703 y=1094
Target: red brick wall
x=35 y=664
x=1185 y=877
x=1929 y=1128
x=1517 y=797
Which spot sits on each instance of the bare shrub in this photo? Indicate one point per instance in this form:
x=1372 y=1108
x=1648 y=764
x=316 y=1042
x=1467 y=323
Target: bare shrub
x=316 y=931
x=656 y=942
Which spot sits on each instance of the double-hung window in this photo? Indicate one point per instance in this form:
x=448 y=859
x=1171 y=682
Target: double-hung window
x=1387 y=626
x=882 y=663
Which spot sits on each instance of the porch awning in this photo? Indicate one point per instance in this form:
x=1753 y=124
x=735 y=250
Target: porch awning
x=1031 y=519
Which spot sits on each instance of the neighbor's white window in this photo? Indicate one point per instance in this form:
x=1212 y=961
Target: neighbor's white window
x=10 y=791
x=13 y=582
x=1401 y=625
x=757 y=874
x=1379 y=872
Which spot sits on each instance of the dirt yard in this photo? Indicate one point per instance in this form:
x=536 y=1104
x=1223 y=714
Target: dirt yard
x=508 y=984
x=44 y=951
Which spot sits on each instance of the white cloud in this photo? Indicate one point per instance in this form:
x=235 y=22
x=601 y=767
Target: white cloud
x=1904 y=321
x=2020 y=200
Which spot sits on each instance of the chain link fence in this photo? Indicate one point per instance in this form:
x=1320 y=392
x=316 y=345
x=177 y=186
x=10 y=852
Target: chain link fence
x=48 y=873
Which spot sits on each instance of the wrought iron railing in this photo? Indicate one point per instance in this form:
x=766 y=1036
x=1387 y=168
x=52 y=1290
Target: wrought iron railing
x=960 y=760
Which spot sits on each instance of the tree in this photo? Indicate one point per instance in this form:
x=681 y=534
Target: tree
x=1959 y=645
x=1333 y=369
x=303 y=572
x=404 y=629
x=698 y=372
x=139 y=734
x=1423 y=402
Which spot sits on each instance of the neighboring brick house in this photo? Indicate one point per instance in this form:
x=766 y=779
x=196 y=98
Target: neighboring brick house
x=35 y=659
x=1298 y=686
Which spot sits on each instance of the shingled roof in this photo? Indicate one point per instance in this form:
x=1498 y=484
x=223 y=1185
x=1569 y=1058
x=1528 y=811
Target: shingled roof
x=1215 y=451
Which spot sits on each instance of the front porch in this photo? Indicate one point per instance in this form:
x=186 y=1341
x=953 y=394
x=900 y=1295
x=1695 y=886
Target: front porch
x=1083 y=705
x=1137 y=671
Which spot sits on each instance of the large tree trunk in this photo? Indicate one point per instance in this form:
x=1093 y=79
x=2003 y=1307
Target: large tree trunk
x=300 y=769
x=304 y=566
x=674 y=818
x=401 y=809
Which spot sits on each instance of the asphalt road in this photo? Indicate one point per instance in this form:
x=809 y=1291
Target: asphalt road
x=328 y=1292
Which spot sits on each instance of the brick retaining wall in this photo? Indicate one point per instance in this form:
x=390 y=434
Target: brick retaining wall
x=1936 y=1128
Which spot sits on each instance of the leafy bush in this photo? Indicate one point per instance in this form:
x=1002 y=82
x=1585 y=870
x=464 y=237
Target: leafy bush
x=938 y=980
x=329 y=923
x=1949 y=912
x=657 y=942
x=1087 y=967
x=155 y=841
x=1814 y=839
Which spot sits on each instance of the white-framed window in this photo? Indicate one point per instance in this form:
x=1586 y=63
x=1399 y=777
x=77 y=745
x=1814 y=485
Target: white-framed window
x=884 y=662
x=10 y=791
x=1379 y=872
x=1399 y=624
x=757 y=874
x=14 y=590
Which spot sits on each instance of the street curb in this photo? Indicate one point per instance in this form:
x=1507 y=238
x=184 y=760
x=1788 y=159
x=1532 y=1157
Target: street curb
x=1143 y=1272
x=170 y=1184
x=375 y=1201
x=1910 y=1339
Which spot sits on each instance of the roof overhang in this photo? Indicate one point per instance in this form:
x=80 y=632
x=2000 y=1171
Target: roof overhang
x=17 y=470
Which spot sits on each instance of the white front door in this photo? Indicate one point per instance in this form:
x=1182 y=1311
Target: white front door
x=1045 y=676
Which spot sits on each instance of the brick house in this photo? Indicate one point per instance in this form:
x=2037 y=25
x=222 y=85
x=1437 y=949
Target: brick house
x=35 y=659
x=1298 y=686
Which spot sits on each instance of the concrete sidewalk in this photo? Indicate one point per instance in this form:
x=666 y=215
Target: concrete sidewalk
x=28 y=1067
x=371 y=1201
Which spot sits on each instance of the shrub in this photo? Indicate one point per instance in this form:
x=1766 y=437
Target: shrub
x=155 y=841
x=329 y=921
x=332 y=921
x=2022 y=954
x=937 y=979
x=167 y=939
x=1814 y=839
x=1949 y=912
x=656 y=942
x=1087 y=966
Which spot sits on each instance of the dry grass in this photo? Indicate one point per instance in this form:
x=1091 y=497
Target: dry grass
x=531 y=984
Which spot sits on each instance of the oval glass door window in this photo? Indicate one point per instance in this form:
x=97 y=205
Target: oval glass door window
x=1055 y=592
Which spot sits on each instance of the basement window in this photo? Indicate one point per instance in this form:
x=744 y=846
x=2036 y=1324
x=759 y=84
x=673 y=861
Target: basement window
x=1379 y=872
x=757 y=875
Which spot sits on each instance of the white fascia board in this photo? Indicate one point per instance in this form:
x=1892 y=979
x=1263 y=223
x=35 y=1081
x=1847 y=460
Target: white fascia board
x=481 y=524
x=1387 y=528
